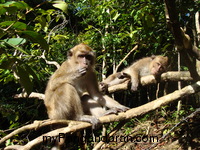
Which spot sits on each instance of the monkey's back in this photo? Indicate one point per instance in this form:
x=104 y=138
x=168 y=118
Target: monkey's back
x=141 y=67
x=63 y=104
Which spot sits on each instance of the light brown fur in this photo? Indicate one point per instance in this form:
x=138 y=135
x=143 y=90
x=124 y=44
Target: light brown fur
x=154 y=65
x=72 y=91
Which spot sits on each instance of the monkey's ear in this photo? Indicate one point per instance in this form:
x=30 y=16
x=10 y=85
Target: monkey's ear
x=69 y=53
x=153 y=57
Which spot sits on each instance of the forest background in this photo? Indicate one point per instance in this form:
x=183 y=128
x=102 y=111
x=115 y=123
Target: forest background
x=36 y=35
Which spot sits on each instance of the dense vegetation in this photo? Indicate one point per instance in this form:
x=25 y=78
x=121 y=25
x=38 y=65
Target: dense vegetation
x=32 y=33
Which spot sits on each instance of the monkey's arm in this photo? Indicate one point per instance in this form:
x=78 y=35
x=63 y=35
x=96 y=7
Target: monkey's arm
x=93 y=89
x=66 y=74
x=134 y=74
x=113 y=79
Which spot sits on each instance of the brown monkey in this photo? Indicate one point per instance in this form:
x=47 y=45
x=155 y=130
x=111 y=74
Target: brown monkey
x=154 y=65
x=72 y=92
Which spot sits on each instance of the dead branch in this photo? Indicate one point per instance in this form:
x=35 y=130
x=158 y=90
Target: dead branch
x=74 y=126
x=32 y=95
x=49 y=62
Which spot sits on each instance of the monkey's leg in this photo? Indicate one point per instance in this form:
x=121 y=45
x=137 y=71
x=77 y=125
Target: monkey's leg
x=91 y=107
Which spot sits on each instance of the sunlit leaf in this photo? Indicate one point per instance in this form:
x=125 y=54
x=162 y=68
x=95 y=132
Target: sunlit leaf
x=116 y=16
x=16 y=47
x=19 y=5
x=61 y=5
x=15 y=41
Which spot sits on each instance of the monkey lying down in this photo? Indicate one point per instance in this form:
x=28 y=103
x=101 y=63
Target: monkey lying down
x=154 y=65
x=65 y=96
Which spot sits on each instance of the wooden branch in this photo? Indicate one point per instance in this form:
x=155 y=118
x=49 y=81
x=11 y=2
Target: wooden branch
x=168 y=76
x=197 y=24
x=32 y=95
x=150 y=79
x=50 y=62
x=138 y=111
x=35 y=125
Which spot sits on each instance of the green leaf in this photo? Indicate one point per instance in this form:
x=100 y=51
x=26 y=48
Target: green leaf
x=116 y=16
x=2 y=10
x=19 y=5
x=15 y=41
x=7 y=4
x=24 y=79
x=31 y=72
x=16 y=47
x=61 y=5
x=37 y=38
x=17 y=25
x=7 y=64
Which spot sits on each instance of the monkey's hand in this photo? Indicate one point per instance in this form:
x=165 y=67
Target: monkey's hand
x=103 y=87
x=134 y=84
x=134 y=88
x=122 y=75
x=81 y=72
x=91 y=119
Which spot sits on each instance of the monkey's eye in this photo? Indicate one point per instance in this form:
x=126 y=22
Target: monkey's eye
x=88 y=57
x=81 y=56
x=158 y=64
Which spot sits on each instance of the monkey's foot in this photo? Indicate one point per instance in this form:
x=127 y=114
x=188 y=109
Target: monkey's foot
x=91 y=119
x=116 y=110
x=111 y=111
x=123 y=109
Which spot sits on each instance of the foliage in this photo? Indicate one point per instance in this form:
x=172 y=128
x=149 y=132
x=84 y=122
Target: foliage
x=23 y=37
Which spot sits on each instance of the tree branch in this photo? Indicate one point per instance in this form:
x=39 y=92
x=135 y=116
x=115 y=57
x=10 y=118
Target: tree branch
x=150 y=79
x=50 y=62
x=32 y=95
x=168 y=76
x=74 y=126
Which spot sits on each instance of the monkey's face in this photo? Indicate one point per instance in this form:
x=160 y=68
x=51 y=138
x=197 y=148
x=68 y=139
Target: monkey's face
x=85 y=60
x=159 y=65
x=82 y=55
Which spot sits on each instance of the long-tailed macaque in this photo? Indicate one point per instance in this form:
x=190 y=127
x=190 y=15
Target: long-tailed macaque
x=154 y=65
x=72 y=92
